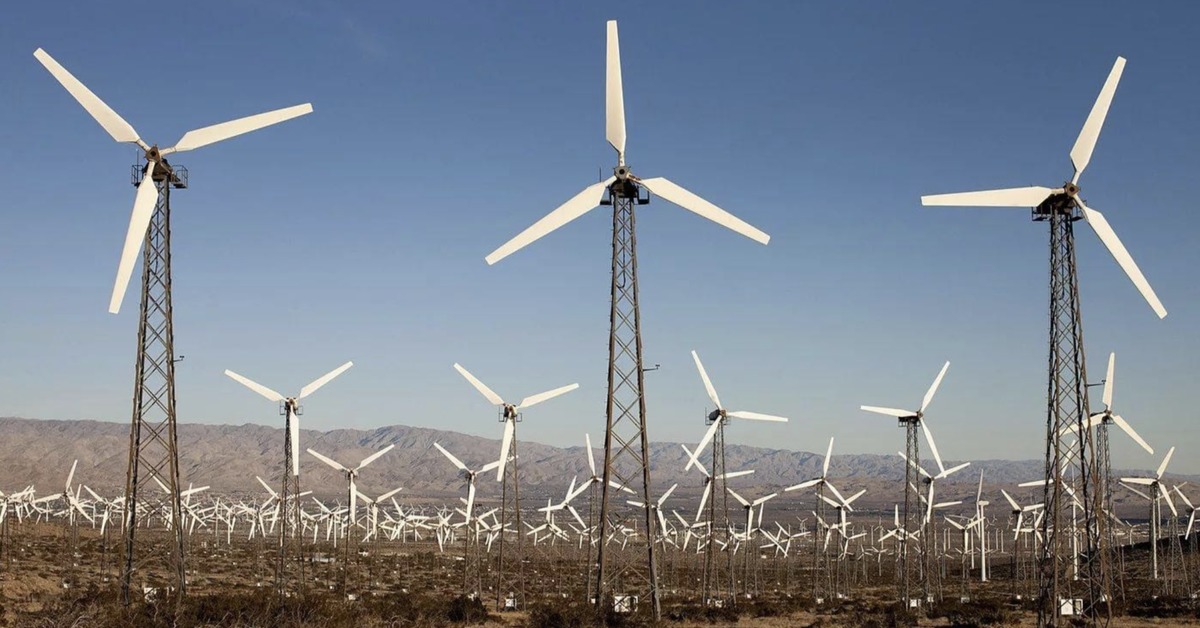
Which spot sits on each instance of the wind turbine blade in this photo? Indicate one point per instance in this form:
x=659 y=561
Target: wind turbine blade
x=933 y=387
x=755 y=416
x=1011 y=501
x=614 y=97
x=836 y=493
x=1128 y=429
x=373 y=457
x=738 y=497
x=225 y=130
x=336 y=465
x=389 y=494
x=708 y=385
x=324 y=379
x=549 y=394
x=505 y=443
x=667 y=495
x=115 y=125
x=483 y=389
x=896 y=412
x=762 y=500
x=951 y=470
x=71 y=475
x=1108 y=380
x=577 y=206
x=591 y=456
x=708 y=436
x=294 y=436
x=735 y=474
x=449 y=456
x=1178 y=492
x=1134 y=490
x=266 y=486
x=255 y=386
x=690 y=455
x=1170 y=503
x=1081 y=152
x=1162 y=468
x=697 y=205
x=932 y=445
x=703 y=500
x=139 y=222
x=1106 y=234
x=1011 y=197
x=489 y=466
x=804 y=484
x=828 y=455
x=1141 y=481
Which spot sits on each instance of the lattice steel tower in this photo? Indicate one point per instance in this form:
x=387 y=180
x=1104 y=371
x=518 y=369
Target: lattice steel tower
x=1066 y=575
x=153 y=443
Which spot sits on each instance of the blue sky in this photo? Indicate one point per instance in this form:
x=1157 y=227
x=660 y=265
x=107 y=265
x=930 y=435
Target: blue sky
x=442 y=129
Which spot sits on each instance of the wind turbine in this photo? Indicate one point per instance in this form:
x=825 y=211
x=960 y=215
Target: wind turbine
x=289 y=496
x=352 y=475
x=717 y=419
x=149 y=233
x=291 y=409
x=910 y=420
x=626 y=411
x=1157 y=493
x=1060 y=207
x=510 y=414
x=469 y=475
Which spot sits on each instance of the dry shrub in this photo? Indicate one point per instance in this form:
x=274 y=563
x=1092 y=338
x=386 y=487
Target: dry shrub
x=979 y=612
x=259 y=607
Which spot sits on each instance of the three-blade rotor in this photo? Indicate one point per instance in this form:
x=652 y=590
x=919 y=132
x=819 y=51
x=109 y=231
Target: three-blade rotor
x=919 y=415
x=293 y=417
x=591 y=196
x=720 y=414
x=1081 y=156
x=147 y=193
x=510 y=412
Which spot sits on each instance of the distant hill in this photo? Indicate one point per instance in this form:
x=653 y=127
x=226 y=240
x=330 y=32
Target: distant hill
x=227 y=457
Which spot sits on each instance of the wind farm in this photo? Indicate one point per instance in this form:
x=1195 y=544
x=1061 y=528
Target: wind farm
x=1035 y=483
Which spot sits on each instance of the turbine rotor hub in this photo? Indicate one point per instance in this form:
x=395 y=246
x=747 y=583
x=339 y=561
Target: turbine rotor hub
x=622 y=172
x=1071 y=189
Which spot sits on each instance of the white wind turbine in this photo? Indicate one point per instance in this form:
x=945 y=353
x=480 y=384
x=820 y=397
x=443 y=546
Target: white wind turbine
x=352 y=475
x=591 y=196
x=469 y=475
x=73 y=497
x=510 y=411
x=147 y=193
x=657 y=506
x=720 y=415
x=1157 y=493
x=1033 y=196
x=749 y=506
x=1108 y=416
x=291 y=405
x=917 y=417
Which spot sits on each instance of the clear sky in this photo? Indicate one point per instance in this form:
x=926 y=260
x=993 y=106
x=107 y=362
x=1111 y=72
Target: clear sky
x=441 y=129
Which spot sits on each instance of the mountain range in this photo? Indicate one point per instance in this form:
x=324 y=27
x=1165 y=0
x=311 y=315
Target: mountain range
x=228 y=457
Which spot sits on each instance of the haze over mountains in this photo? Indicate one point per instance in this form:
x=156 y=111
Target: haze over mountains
x=227 y=457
